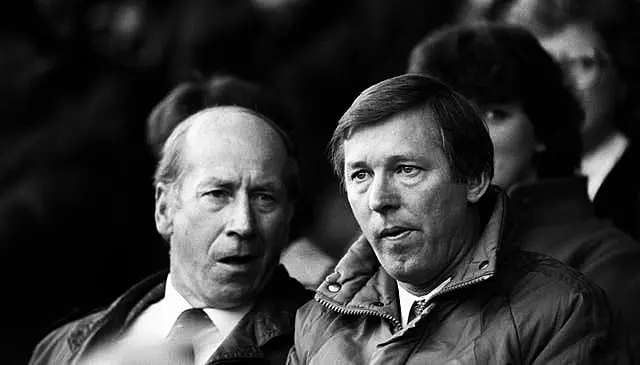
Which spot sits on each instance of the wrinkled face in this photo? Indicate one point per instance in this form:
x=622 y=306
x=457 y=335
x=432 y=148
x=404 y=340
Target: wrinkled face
x=400 y=188
x=228 y=221
x=579 y=50
x=514 y=144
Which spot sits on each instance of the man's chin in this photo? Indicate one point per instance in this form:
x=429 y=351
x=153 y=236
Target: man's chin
x=231 y=296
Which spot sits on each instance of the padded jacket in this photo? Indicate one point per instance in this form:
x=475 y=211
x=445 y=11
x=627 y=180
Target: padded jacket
x=501 y=307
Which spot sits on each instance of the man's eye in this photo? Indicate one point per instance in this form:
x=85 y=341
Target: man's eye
x=358 y=175
x=407 y=170
x=218 y=194
x=265 y=197
x=266 y=201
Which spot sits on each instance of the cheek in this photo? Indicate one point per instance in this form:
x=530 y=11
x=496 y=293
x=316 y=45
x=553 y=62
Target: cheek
x=513 y=146
x=600 y=97
x=274 y=229
x=509 y=141
x=355 y=201
x=197 y=231
x=361 y=212
x=438 y=204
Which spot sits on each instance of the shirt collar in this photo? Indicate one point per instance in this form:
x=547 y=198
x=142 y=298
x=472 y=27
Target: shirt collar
x=407 y=299
x=224 y=319
x=597 y=164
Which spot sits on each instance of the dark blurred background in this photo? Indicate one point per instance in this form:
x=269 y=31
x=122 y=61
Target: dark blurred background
x=78 y=79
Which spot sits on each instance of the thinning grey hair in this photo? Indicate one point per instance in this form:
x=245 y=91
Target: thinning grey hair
x=172 y=166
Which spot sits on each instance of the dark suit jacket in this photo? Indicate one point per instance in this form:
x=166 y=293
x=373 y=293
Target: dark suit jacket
x=618 y=198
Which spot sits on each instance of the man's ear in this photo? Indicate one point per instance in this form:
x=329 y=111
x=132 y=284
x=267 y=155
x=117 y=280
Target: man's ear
x=477 y=187
x=291 y=209
x=164 y=209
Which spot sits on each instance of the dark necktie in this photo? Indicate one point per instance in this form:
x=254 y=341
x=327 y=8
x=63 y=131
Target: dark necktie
x=189 y=324
x=417 y=308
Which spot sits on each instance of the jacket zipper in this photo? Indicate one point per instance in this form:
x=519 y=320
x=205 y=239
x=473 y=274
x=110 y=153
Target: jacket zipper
x=397 y=325
x=463 y=285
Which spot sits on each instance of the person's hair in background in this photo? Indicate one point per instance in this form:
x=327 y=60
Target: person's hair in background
x=219 y=90
x=502 y=64
x=466 y=144
x=616 y=29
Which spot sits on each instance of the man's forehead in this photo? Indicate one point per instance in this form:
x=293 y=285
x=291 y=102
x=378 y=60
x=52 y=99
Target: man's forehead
x=223 y=117
x=403 y=119
x=232 y=122
x=234 y=135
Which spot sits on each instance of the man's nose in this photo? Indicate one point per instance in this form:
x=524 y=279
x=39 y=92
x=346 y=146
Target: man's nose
x=241 y=222
x=382 y=195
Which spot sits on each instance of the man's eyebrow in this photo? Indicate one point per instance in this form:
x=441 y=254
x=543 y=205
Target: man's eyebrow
x=272 y=185
x=409 y=156
x=355 y=165
x=225 y=183
x=395 y=158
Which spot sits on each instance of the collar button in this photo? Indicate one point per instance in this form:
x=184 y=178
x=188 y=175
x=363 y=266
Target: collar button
x=334 y=287
x=483 y=265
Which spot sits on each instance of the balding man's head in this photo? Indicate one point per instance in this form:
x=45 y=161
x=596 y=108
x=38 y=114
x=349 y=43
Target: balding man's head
x=219 y=126
x=224 y=203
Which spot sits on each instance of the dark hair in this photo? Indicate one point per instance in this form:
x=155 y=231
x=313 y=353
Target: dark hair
x=614 y=21
x=465 y=139
x=492 y=63
x=190 y=97
x=167 y=127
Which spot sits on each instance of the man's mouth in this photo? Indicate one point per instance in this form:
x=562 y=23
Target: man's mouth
x=238 y=260
x=395 y=233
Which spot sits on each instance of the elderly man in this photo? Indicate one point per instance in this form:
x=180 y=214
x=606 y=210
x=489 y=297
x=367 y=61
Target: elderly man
x=428 y=282
x=225 y=192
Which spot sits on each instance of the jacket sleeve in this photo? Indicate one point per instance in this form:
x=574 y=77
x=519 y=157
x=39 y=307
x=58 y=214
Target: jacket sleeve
x=579 y=328
x=292 y=359
x=613 y=265
x=53 y=349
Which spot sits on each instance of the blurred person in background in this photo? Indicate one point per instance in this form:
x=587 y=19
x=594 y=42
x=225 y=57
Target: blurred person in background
x=226 y=185
x=598 y=45
x=435 y=276
x=515 y=84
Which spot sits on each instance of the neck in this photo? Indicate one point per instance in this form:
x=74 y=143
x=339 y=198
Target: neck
x=185 y=292
x=592 y=139
x=529 y=177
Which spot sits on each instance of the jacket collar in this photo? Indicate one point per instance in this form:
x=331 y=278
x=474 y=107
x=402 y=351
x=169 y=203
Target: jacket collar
x=360 y=285
x=270 y=317
x=119 y=314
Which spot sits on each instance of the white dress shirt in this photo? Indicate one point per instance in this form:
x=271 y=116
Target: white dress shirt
x=407 y=299
x=155 y=322
x=597 y=164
